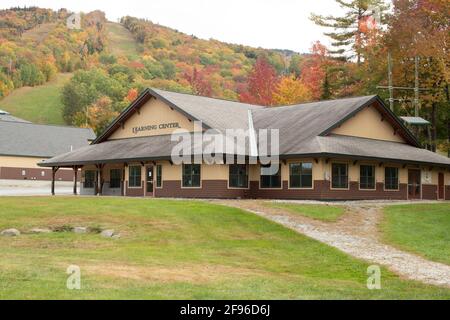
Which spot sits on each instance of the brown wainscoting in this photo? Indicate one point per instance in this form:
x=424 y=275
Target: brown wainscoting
x=323 y=191
x=219 y=189
x=135 y=192
x=447 y=192
x=429 y=191
x=36 y=174
x=354 y=193
x=284 y=193
x=209 y=189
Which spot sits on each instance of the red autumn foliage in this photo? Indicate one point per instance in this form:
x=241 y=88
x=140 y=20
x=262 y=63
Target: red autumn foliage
x=261 y=84
x=132 y=95
x=313 y=71
x=199 y=82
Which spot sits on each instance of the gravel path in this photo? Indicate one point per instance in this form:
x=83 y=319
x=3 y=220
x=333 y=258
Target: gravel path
x=356 y=234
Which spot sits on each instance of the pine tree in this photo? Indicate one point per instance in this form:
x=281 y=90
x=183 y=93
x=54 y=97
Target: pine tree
x=326 y=90
x=349 y=30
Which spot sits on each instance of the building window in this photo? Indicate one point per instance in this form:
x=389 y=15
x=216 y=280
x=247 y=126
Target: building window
x=300 y=175
x=158 y=176
x=270 y=178
x=42 y=173
x=238 y=176
x=391 y=178
x=114 y=178
x=89 y=179
x=191 y=175
x=366 y=177
x=24 y=173
x=135 y=176
x=339 y=173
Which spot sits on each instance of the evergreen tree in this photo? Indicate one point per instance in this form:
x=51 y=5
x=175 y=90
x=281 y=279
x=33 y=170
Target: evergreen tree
x=326 y=90
x=349 y=30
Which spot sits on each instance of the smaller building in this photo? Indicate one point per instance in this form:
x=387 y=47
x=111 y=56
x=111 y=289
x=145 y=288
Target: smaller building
x=6 y=116
x=23 y=144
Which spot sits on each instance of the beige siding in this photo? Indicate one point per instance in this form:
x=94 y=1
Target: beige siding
x=171 y=172
x=19 y=162
x=153 y=113
x=368 y=124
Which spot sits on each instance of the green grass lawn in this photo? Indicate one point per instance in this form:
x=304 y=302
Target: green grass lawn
x=41 y=104
x=178 y=250
x=121 y=41
x=419 y=228
x=319 y=212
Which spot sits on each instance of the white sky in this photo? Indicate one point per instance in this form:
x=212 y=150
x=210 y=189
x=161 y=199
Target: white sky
x=281 y=24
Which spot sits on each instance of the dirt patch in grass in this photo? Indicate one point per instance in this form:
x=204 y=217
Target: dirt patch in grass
x=181 y=273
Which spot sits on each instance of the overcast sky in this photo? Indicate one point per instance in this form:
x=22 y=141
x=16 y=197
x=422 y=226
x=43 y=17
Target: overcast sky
x=282 y=24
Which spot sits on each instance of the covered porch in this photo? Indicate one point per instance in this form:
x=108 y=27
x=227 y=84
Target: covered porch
x=112 y=179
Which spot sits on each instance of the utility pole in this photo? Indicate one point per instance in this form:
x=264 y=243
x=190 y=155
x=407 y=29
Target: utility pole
x=391 y=88
x=416 y=87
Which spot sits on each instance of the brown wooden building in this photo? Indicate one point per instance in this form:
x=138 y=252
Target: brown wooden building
x=353 y=148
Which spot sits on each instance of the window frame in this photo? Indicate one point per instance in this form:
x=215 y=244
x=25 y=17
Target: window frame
x=374 y=177
x=183 y=174
x=93 y=179
x=347 y=175
x=129 y=177
x=158 y=176
x=111 y=178
x=271 y=187
x=398 y=178
x=300 y=175
x=247 y=185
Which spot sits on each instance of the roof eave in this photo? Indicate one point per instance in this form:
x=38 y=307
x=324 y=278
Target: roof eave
x=357 y=157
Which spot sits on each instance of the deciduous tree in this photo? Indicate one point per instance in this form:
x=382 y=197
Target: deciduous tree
x=261 y=84
x=291 y=91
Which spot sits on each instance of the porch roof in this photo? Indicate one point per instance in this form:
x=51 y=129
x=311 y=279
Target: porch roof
x=160 y=148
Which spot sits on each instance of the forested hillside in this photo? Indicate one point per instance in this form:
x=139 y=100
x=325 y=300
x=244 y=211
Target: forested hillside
x=111 y=63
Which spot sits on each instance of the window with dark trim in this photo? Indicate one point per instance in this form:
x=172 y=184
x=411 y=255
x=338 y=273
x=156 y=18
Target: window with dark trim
x=366 y=177
x=391 y=178
x=191 y=175
x=158 y=176
x=269 y=178
x=135 y=180
x=300 y=175
x=238 y=175
x=89 y=179
x=114 y=178
x=339 y=175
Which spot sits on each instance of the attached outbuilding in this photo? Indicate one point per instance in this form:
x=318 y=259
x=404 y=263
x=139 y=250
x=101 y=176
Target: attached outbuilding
x=24 y=144
x=353 y=148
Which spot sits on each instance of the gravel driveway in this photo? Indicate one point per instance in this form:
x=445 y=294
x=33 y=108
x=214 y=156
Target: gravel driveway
x=356 y=234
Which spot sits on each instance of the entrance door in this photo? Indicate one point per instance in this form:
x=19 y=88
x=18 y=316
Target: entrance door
x=413 y=184
x=441 y=185
x=149 y=181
